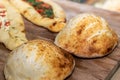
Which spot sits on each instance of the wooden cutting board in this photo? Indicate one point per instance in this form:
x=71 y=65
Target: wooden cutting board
x=85 y=69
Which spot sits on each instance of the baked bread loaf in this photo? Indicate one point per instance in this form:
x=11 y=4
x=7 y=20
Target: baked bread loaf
x=12 y=31
x=87 y=36
x=38 y=60
x=44 y=13
x=112 y=5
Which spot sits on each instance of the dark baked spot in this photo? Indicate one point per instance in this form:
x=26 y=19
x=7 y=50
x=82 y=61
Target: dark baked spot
x=65 y=20
x=80 y=29
x=93 y=50
x=98 y=20
x=82 y=26
x=26 y=56
x=66 y=45
x=54 y=23
x=62 y=65
x=24 y=12
x=21 y=24
x=79 y=32
x=94 y=41
x=23 y=31
x=59 y=74
x=109 y=49
x=25 y=43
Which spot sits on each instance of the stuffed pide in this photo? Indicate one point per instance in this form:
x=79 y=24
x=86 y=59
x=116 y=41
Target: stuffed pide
x=45 y=13
x=11 y=26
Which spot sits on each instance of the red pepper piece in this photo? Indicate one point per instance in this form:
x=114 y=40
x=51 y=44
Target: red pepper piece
x=40 y=10
x=7 y=23
x=45 y=5
x=2 y=13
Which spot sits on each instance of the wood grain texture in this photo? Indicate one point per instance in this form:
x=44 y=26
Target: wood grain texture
x=85 y=69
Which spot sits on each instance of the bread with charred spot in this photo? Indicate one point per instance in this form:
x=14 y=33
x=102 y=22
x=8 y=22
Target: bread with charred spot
x=88 y=36
x=38 y=60
x=28 y=11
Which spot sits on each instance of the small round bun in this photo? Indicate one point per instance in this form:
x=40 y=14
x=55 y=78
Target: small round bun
x=38 y=60
x=87 y=36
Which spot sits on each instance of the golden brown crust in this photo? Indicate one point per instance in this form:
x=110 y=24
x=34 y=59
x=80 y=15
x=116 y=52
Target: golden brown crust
x=54 y=25
x=87 y=36
x=39 y=60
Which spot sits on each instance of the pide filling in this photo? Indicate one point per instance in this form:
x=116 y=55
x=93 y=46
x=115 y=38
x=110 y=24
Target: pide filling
x=4 y=22
x=42 y=8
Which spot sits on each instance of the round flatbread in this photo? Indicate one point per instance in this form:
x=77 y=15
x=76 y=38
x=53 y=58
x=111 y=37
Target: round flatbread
x=88 y=36
x=44 y=13
x=11 y=26
x=38 y=60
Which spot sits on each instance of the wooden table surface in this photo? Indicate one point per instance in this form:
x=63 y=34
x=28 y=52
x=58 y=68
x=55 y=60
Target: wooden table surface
x=85 y=69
